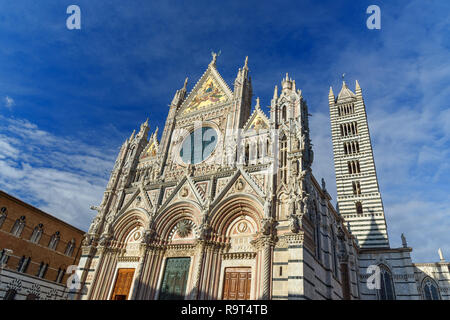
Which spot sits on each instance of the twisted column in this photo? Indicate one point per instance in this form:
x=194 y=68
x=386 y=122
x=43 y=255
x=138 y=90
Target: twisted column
x=266 y=270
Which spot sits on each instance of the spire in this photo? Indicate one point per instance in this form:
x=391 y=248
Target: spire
x=185 y=83
x=358 y=90
x=441 y=256
x=275 y=92
x=257 y=103
x=246 y=63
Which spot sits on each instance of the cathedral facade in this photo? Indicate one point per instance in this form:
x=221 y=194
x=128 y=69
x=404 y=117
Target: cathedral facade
x=225 y=206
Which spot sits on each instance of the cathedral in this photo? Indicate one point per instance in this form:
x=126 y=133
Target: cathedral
x=225 y=206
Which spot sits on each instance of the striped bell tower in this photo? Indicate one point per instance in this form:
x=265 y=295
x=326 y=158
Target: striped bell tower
x=358 y=195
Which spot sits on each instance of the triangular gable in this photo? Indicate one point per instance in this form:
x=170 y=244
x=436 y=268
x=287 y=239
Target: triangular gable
x=258 y=120
x=185 y=190
x=241 y=182
x=209 y=90
x=152 y=148
x=345 y=93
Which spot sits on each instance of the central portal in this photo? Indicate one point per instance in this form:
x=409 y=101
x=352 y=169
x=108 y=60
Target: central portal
x=175 y=278
x=237 y=283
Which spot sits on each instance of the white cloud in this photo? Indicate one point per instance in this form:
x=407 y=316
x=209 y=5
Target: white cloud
x=9 y=102
x=60 y=175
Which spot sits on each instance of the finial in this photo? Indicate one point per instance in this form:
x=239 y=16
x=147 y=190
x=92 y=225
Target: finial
x=441 y=256
x=293 y=85
x=275 y=92
x=287 y=76
x=214 y=56
x=324 y=186
x=246 y=62
x=357 y=87
x=343 y=81
x=257 y=103
x=404 y=243
x=185 y=83
x=331 y=92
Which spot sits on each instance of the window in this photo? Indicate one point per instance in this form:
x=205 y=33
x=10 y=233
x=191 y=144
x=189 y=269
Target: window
x=318 y=235
x=3 y=215
x=32 y=296
x=37 y=233
x=60 y=275
x=356 y=188
x=42 y=270
x=351 y=147
x=18 y=226
x=386 y=291
x=283 y=113
x=4 y=257
x=54 y=240
x=430 y=290
x=10 y=294
x=23 y=264
x=333 y=252
x=353 y=167
x=359 y=208
x=70 y=247
x=349 y=129
x=346 y=109
x=283 y=159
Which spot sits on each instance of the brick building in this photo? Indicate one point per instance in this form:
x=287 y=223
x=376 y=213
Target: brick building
x=35 y=251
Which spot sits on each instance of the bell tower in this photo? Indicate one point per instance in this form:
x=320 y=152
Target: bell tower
x=358 y=194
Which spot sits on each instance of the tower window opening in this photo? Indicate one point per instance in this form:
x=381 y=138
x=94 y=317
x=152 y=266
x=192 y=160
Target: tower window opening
x=359 y=208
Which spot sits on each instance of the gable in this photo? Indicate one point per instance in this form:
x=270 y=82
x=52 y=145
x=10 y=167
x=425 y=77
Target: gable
x=211 y=89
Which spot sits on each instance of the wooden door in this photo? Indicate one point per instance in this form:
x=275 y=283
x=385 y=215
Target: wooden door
x=237 y=284
x=123 y=284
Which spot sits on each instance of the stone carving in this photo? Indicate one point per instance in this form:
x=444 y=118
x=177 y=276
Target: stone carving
x=294 y=224
x=184 y=228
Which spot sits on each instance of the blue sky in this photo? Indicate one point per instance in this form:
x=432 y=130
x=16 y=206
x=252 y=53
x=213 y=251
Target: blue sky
x=69 y=98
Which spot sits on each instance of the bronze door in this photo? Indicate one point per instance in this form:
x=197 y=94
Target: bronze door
x=123 y=284
x=175 y=278
x=237 y=284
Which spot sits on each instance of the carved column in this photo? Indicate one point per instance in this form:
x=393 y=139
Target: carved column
x=198 y=269
x=267 y=267
x=138 y=276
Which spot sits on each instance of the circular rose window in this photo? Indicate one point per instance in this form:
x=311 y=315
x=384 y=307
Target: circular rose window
x=199 y=145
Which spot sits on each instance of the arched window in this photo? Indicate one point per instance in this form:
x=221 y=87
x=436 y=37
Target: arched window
x=10 y=294
x=23 y=264
x=37 y=233
x=4 y=257
x=283 y=159
x=69 y=248
x=386 y=291
x=42 y=270
x=54 y=240
x=60 y=275
x=430 y=290
x=283 y=113
x=318 y=235
x=18 y=226
x=3 y=215
x=32 y=296
x=333 y=252
x=359 y=208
